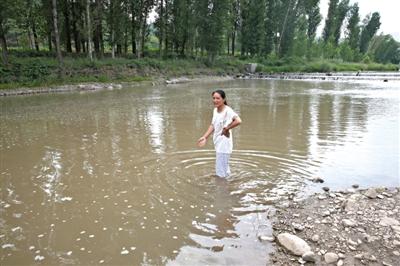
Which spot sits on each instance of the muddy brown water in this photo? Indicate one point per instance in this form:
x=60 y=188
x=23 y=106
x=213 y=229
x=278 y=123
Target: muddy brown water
x=115 y=177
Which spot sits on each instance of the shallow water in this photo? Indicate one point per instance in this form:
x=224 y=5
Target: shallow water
x=115 y=177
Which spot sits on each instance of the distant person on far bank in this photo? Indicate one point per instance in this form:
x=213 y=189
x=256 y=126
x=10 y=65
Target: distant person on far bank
x=223 y=121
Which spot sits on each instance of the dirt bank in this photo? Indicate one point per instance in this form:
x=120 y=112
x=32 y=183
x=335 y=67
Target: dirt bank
x=352 y=227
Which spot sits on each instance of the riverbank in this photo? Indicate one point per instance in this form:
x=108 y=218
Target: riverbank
x=97 y=86
x=27 y=72
x=352 y=227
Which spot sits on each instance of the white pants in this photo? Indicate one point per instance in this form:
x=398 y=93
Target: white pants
x=222 y=164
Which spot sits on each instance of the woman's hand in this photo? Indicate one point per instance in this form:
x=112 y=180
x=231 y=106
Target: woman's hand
x=225 y=132
x=201 y=142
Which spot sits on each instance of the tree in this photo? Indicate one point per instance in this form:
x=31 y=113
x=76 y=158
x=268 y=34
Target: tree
x=255 y=26
x=271 y=26
x=98 y=28
x=311 y=8
x=330 y=21
x=57 y=37
x=385 y=49
x=89 y=30
x=371 y=26
x=342 y=9
x=353 y=29
x=8 y=9
x=288 y=27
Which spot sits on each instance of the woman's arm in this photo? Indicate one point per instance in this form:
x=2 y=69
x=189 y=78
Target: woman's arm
x=236 y=121
x=206 y=135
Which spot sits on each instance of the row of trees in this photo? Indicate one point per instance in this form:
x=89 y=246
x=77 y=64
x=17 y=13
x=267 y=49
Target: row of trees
x=191 y=27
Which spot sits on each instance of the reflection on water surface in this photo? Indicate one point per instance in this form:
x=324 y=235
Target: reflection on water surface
x=114 y=177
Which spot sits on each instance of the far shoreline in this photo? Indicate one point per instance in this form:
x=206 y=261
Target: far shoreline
x=97 y=86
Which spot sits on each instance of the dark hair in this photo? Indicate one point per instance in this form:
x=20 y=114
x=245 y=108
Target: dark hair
x=222 y=93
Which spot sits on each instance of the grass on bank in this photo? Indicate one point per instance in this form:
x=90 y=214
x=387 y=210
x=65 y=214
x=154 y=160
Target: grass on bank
x=41 y=70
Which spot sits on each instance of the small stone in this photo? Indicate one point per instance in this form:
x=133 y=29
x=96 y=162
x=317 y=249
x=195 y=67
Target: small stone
x=266 y=238
x=380 y=196
x=309 y=256
x=396 y=253
x=315 y=238
x=298 y=227
x=340 y=263
x=325 y=189
x=301 y=261
x=359 y=256
x=371 y=193
x=331 y=257
x=355 y=186
x=348 y=223
x=326 y=213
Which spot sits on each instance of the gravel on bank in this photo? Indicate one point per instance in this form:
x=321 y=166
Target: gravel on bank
x=352 y=227
x=97 y=86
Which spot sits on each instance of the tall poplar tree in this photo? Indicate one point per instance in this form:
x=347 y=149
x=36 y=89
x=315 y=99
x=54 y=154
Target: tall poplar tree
x=330 y=21
x=353 y=28
x=371 y=26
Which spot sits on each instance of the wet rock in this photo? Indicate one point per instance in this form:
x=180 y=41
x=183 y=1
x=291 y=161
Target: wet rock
x=317 y=179
x=331 y=257
x=293 y=243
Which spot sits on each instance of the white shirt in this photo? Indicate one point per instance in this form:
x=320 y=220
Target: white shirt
x=220 y=120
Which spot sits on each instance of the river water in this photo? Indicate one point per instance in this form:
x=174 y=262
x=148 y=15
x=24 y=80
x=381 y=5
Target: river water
x=115 y=177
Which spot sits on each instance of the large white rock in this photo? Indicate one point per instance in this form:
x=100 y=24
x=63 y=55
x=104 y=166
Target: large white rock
x=387 y=221
x=293 y=243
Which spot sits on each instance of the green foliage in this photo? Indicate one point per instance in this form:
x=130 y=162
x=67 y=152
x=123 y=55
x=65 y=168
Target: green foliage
x=385 y=49
x=371 y=26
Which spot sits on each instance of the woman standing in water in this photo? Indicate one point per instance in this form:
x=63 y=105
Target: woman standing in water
x=223 y=120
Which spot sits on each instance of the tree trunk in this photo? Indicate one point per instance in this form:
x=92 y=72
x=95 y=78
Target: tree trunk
x=98 y=31
x=234 y=38
x=112 y=43
x=4 y=50
x=143 y=35
x=75 y=31
x=67 y=29
x=160 y=41
x=35 y=36
x=89 y=30
x=57 y=38
x=228 y=42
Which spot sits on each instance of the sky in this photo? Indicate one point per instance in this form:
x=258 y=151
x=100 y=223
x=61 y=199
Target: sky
x=388 y=9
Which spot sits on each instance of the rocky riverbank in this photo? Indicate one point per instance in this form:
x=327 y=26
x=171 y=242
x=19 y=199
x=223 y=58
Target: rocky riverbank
x=352 y=227
x=330 y=76
x=96 y=86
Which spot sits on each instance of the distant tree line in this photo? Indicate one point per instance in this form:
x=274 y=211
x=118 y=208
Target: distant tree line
x=194 y=28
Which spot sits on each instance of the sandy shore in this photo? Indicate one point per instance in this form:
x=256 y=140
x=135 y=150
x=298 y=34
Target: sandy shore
x=352 y=227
